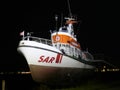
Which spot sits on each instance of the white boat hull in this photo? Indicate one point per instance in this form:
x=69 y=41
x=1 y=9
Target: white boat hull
x=49 y=65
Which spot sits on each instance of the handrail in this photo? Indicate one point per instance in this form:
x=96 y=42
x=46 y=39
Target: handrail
x=39 y=40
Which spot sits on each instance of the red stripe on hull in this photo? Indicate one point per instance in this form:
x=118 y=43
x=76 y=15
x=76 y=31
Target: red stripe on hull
x=58 y=58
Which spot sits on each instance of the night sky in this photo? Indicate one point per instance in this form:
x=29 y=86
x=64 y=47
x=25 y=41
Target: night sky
x=98 y=29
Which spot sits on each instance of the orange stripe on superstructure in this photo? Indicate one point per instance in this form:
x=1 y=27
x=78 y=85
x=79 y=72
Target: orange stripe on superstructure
x=65 y=39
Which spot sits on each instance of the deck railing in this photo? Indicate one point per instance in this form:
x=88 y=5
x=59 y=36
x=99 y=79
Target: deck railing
x=40 y=40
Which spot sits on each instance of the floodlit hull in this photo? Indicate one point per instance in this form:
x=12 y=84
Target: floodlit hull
x=49 y=65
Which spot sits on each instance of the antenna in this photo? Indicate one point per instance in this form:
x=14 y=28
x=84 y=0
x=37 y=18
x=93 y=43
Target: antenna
x=69 y=8
x=61 y=19
x=56 y=19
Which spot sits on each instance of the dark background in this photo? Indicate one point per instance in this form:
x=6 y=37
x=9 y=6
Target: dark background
x=98 y=31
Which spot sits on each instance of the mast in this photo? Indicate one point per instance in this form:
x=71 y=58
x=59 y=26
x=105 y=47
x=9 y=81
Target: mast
x=70 y=13
x=61 y=19
x=56 y=19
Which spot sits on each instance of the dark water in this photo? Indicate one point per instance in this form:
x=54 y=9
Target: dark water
x=99 y=81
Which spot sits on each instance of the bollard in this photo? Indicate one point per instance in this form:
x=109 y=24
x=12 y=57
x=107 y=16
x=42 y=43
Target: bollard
x=3 y=84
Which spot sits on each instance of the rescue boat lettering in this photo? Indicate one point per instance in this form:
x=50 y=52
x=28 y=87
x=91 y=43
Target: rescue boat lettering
x=46 y=59
x=49 y=59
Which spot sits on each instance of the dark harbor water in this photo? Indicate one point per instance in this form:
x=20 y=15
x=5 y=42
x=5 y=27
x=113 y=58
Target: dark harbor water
x=99 y=81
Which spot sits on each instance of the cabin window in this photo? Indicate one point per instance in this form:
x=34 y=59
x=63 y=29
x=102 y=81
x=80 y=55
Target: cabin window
x=67 y=46
x=72 y=51
x=76 y=51
x=63 y=45
x=55 y=45
x=60 y=45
